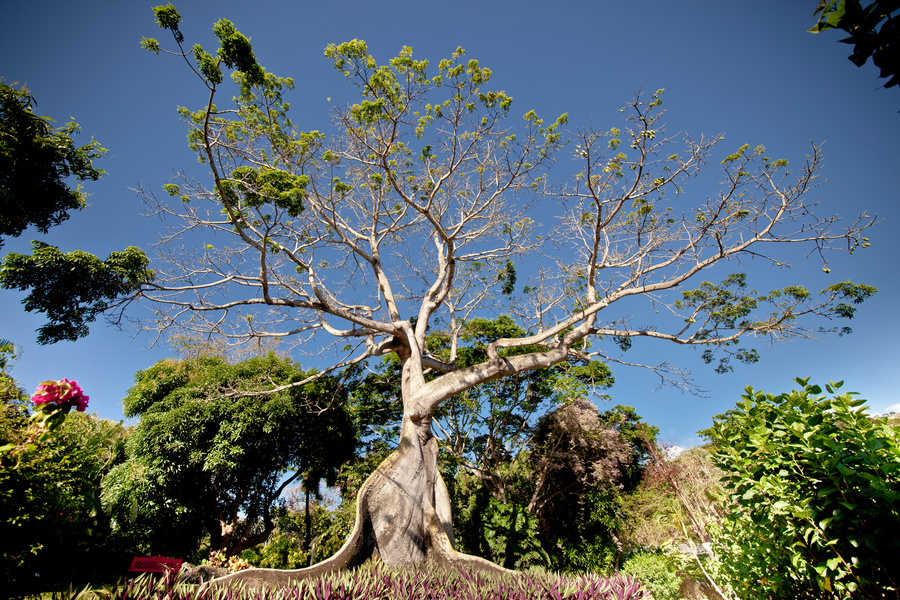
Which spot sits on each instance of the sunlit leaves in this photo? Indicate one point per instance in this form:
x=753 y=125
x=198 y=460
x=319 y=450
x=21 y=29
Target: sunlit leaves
x=815 y=484
x=168 y=17
x=280 y=188
x=236 y=52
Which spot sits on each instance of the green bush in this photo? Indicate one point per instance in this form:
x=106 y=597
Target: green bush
x=281 y=551
x=656 y=571
x=814 y=486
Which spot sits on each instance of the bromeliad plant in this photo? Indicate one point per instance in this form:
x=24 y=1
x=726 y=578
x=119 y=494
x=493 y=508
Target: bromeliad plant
x=375 y=581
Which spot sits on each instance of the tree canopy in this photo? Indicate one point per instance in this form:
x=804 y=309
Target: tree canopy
x=210 y=456
x=36 y=161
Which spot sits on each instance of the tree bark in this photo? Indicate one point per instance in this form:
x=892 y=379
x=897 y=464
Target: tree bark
x=403 y=517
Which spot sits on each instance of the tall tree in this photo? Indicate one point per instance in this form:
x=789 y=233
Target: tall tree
x=417 y=208
x=583 y=461
x=210 y=456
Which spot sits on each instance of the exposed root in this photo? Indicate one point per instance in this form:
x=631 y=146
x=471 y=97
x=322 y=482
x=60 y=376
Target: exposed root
x=402 y=516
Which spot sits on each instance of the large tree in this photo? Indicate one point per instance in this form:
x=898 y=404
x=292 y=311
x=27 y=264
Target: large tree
x=210 y=457
x=416 y=210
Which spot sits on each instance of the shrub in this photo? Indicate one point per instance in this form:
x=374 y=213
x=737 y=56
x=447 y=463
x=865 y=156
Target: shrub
x=281 y=551
x=814 y=485
x=656 y=571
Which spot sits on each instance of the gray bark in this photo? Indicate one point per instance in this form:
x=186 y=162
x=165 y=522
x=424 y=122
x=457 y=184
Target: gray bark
x=403 y=517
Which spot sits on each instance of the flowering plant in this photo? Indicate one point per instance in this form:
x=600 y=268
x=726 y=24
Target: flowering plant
x=64 y=394
x=52 y=402
x=54 y=399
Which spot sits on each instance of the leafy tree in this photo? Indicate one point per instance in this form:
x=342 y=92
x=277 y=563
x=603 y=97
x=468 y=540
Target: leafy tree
x=211 y=455
x=874 y=32
x=814 y=485
x=35 y=162
x=677 y=505
x=410 y=212
x=73 y=288
x=298 y=519
x=487 y=427
x=51 y=521
x=584 y=461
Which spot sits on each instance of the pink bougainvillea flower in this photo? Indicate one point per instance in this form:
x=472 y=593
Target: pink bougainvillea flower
x=63 y=393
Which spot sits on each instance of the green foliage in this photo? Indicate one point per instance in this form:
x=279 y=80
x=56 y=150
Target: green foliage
x=679 y=501
x=815 y=489
x=211 y=454
x=656 y=571
x=503 y=532
x=869 y=35
x=49 y=501
x=72 y=289
x=10 y=391
x=280 y=551
x=508 y=277
x=585 y=461
x=35 y=162
x=722 y=310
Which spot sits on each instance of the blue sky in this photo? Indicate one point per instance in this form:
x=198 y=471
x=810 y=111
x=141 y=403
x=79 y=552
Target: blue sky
x=746 y=70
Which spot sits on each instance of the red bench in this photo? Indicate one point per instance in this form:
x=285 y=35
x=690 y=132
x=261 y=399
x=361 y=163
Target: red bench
x=154 y=564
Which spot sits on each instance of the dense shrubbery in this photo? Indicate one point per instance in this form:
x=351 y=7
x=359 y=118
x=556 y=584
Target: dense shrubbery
x=50 y=517
x=814 y=487
x=656 y=571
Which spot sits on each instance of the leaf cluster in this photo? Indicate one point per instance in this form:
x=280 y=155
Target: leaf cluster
x=874 y=32
x=72 y=289
x=36 y=160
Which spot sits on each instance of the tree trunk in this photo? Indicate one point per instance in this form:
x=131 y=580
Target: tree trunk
x=402 y=516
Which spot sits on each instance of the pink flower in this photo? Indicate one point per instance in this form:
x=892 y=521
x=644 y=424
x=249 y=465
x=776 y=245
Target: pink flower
x=63 y=393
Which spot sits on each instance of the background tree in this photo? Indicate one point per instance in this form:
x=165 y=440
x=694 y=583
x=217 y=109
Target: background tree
x=412 y=210
x=584 y=464
x=814 y=485
x=488 y=444
x=35 y=162
x=210 y=456
x=10 y=391
x=874 y=32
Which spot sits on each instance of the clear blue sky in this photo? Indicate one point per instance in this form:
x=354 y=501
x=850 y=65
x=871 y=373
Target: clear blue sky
x=747 y=70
